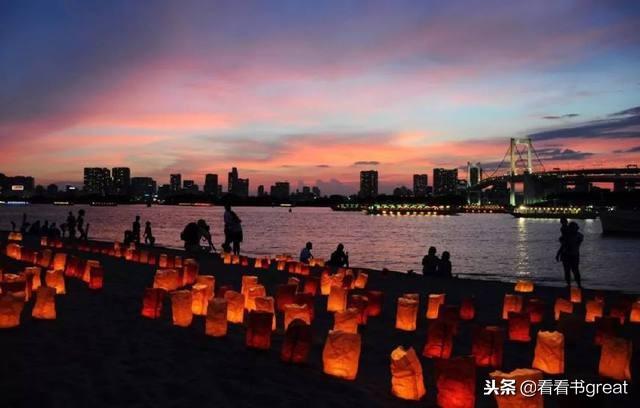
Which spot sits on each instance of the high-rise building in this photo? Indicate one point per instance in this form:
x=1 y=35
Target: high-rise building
x=121 y=179
x=232 y=180
x=280 y=190
x=143 y=187
x=211 y=184
x=236 y=185
x=445 y=181
x=261 y=191
x=316 y=191
x=474 y=173
x=420 y=185
x=175 y=181
x=190 y=185
x=368 y=184
x=97 y=180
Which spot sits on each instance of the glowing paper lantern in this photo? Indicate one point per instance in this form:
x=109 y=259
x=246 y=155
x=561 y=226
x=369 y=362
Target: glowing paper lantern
x=259 y=330
x=296 y=312
x=244 y=261
x=512 y=303
x=517 y=399
x=308 y=300
x=86 y=273
x=337 y=300
x=406 y=314
x=177 y=262
x=247 y=282
x=594 y=308
x=575 y=295
x=181 y=301
x=285 y=295
x=45 y=305
x=10 y=310
x=59 y=261
x=535 y=308
x=311 y=285
x=252 y=293
x=467 y=309
x=439 y=340
x=346 y=321
x=55 y=279
x=634 y=317
x=549 y=352
x=190 y=271
x=199 y=299
x=235 y=306
x=167 y=279
x=281 y=265
x=519 y=327
x=44 y=260
x=359 y=303
x=35 y=272
x=163 y=261
x=433 y=304
x=523 y=286
x=235 y=259
x=15 y=285
x=14 y=251
x=605 y=327
x=14 y=236
x=619 y=311
x=297 y=342
x=266 y=304
x=406 y=374
x=374 y=304
x=361 y=280
x=488 y=344
x=615 y=358
x=144 y=256
x=341 y=354
x=209 y=281
x=152 y=302
x=562 y=306
x=96 y=277
x=456 y=382
x=216 y=322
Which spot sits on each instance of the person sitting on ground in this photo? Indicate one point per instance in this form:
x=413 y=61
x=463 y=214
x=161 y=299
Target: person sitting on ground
x=444 y=267
x=430 y=263
x=305 y=254
x=204 y=231
x=191 y=237
x=149 y=239
x=339 y=258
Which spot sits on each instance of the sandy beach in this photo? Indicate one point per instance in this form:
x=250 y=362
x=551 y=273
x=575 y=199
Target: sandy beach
x=101 y=352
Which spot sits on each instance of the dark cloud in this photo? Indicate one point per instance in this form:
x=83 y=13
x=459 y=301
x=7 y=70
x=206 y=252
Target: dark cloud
x=568 y=115
x=366 y=163
x=631 y=150
x=323 y=166
x=632 y=111
x=555 y=154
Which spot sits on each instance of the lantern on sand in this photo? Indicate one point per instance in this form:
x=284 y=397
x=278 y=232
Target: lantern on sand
x=235 y=306
x=619 y=311
x=44 y=260
x=163 y=261
x=549 y=352
x=257 y=263
x=45 y=305
x=59 y=261
x=594 y=308
x=199 y=299
x=433 y=304
x=361 y=280
x=181 y=301
x=10 y=310
x=406 y=374
x=74 y=267
x=517 y=399
x=86 y=272
x=337 y=300
x=96 y=277
x=14 y=251
x=35 y=272
x=235 y=260
x=14 y=236
x=615 y=358
x=512 y=303
x=285 y=295
x=439 y=340
x=266 y=304
x=209 y=281
x=406 y=314
x=190 y=271
x=216 y=322
x=374 y=306
x=167 y=279
x=341 y=354
x=535 y=308
x=259 y=330
x=308 y=300
x=634 y=317
x=456 y=382
x=297 y=342
x=605 y=326
x=467 y=309
x=244 y=261
x=524 y=286
x=296 y=312
x=247 y=282
x=15 y=284
x=325 y=282
x=346 y=321
x=359 y=303
x=252 y=293
x=575 y=295
x=152 y=302
x=55 y=279
x=311 y=285
x=519 y=327
x=488 y=343
x=281 y=265
x=177 y=261
x=562 y=306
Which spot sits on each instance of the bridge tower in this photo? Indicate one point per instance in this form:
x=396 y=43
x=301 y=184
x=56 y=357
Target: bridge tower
x=513 y=150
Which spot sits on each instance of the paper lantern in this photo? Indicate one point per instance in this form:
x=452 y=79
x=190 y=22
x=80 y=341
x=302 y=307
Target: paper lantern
x=144 y=256
x=163 y=261
x=257 y=263
x=359 y=302
x=86 y=273
x=562 y=306
x=96 y=277
x=467 y=309
x=346 y=321
x=216 y=322
x=523 y=286
x=512 y=303
x=14 y=251
x=549 y=352
x=407 y=381
x=575 y=295
x=285 y=295
x=45 y=304
x=152 y=302
x=10 y=310
x=296 y=312
x=519 y=327
x=259 y=330
x=297 y=342
x=209 y=281
x=244 y=261
x=634 y=317
x=311 y=285
x=439 y=340
x=517 y=399
x=59 y=261
x=341 y=354
x=337 y=300
x=374 y=304
x=361 y=280
x=619 y=311
x=488 y=345
x=281 y=265
x=433 y=304
x=199 y=299
x=235 y=259
x=247 y=282
x=308 y=300
x=235 y=306
x=347 y=281
x=456 y=382
x=44 y=259
x=594 y=308
x=181 y=301
x=55 y=279
x=605 y=327
x=406 y=314
x=177 y=262
x=535 y=308
x=35 y=272
x=15 y=285
x=14 y=236
x=325 y=283
x=167 y=279
x=190 y=271
x=252 y=293
x=266 y=304
x=615 y=358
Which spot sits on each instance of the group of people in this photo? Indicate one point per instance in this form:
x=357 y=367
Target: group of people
x=339 y=258
x=436 y=267
x=133 y=235
x=194 y=233
x=73 y=228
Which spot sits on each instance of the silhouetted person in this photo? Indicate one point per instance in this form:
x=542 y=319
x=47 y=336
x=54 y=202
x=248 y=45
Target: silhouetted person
x=135 y=230
x=204 y=232
x=35 y=228
x=54 y=232
x=569 y=253
x=430 y=263
x=339 y=257
x=232 y=230
x=305 y=254
x=63 y=229
x=44 y=230
x=149 y=239
x=444 y=266
x=13 y=226
x=128 y=238
x=71 y=225
x=25 y=225
x=83 y=230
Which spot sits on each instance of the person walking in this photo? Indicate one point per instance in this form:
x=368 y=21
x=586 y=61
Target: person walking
x=569 y=253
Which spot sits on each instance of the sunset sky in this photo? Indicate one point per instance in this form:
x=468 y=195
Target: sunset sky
x=314 y=92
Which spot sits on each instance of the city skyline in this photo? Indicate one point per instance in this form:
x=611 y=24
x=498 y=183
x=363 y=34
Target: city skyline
x=314 y=94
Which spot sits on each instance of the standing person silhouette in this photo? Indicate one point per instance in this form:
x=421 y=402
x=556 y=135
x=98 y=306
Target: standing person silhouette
x=149 y=239
x=232 y=230
x=71 y=225
x=305 y=254
x=444 y=267
x=135 y=230
x=339 y=258
x=569 y=253
x=430 y=263
x=82 y=229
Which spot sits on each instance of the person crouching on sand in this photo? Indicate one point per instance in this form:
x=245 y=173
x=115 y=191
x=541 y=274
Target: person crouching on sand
x=339 y=258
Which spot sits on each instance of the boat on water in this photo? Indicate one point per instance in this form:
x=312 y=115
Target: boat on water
x=620 y=222
x=347 y=207
x=103 y=204
x=582 y=213
x=411 y=209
